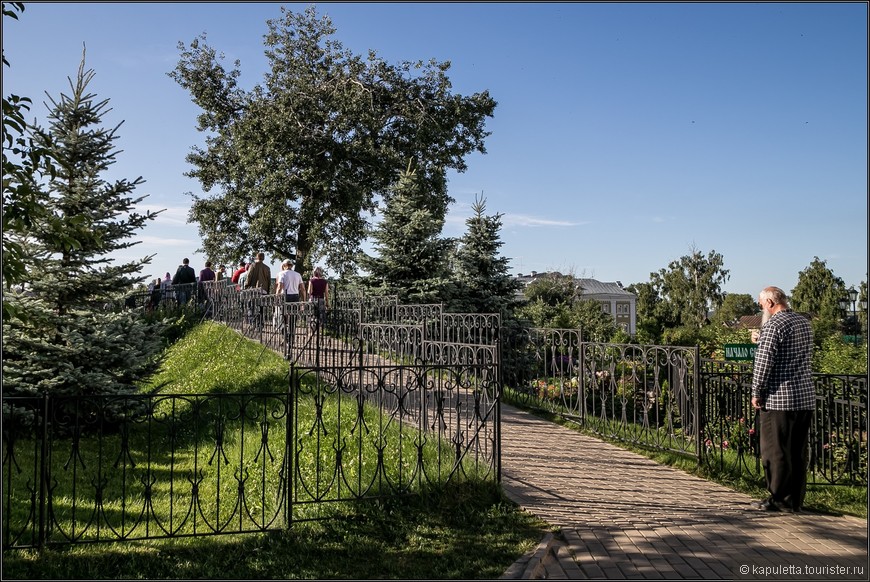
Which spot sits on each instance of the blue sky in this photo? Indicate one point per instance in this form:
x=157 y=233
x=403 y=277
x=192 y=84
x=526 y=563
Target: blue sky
x=626 y=134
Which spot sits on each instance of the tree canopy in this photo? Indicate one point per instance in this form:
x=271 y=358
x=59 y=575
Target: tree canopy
x=294 y=166
x=555 y=301
x=818 y=293
x=734 y=306
x=692 y=285
x=481 y=281
x=411 y=256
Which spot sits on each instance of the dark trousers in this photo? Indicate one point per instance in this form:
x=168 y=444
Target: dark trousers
x=785 y=436
x=290 y=319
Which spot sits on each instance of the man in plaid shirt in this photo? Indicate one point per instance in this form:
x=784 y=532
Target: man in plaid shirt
x=782 y=389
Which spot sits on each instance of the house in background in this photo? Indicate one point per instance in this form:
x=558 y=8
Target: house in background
x=614 y=299
x=753 y=322
x=750 y=322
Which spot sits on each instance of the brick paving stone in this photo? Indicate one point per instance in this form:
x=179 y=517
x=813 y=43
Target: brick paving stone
x=593 y=571
x=624 y=516
x=612 y=573
x=572 y=570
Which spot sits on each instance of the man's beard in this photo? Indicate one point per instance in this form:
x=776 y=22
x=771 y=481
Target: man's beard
x=765 y=317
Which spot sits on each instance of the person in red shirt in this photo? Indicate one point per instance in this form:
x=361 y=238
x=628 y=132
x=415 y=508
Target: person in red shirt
x=237 y=273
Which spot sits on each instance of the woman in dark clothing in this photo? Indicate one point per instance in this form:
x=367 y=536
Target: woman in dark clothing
x=318 y=291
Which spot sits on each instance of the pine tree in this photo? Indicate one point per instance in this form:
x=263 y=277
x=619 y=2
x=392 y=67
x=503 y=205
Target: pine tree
x=70 y=341
x=411 y=259
x=482 y=281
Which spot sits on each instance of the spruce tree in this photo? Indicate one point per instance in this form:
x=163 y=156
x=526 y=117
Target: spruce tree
x=482 y=281
x=72 y=339
x=411 y=259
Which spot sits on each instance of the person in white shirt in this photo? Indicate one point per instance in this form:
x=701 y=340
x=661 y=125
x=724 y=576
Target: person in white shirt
x=290 y=283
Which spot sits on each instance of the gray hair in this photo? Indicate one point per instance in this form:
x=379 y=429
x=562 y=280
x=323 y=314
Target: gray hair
x=775 y=294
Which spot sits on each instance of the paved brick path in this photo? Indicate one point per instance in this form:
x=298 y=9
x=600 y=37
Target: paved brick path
x=622 y=515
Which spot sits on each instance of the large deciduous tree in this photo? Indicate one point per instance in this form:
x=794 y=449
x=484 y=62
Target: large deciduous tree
x=692 y=286
x=68 y=341
x=294 y=166
x=654 y=314
x=818 y=293
x=734 y=306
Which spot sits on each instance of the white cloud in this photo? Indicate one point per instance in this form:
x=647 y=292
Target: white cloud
x=168 y=242
x=171 y=215
x=461 y=211
x=534 y=221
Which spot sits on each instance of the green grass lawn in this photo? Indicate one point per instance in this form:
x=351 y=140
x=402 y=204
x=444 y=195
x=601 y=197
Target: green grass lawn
x=461 y=534
x=458 y=530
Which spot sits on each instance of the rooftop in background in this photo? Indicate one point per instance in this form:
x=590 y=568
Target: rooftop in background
x=587 y=286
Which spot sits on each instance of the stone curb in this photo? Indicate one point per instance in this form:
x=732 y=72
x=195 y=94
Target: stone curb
x=531 y=565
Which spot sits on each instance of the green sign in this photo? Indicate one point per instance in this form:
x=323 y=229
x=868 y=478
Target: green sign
x=740 y=351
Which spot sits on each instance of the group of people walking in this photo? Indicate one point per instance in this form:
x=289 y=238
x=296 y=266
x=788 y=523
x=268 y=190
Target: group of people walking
x=254 y=276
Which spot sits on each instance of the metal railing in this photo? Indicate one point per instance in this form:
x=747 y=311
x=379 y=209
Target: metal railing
x=410 y=386
x=838 y=437
x=358 y=420
x=667 y=397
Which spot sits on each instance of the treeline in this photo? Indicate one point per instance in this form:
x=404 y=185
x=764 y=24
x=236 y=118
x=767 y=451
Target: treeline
x=349 y=137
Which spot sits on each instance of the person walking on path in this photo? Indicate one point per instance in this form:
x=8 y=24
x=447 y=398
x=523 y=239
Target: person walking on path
x=183 y=282
x=783 y=393
x=259 y=275
x=257 y=281
x=238 y=272
x=318 y=291
x=205 y=288
x=206 y=274
x=289 y=284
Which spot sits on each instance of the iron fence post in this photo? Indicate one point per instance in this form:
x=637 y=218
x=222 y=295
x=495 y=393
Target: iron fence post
x=43 y=472
x=290 y=449
x=700 y=421
x=497 y=430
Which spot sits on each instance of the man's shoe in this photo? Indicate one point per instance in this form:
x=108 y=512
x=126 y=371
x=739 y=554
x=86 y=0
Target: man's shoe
x=770 y=504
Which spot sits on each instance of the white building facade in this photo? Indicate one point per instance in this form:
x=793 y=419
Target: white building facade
x=614 y=299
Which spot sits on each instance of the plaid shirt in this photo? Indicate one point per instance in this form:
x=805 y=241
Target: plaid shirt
x=782 y=373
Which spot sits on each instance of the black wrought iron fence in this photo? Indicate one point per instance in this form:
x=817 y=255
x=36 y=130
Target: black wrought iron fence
x=192 y=465
x=666 y=397
x=838 y=438
x=361 y=418
x=423 y=425
x=639 y=394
